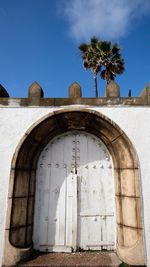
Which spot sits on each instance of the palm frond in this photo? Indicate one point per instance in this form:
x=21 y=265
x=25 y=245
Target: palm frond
x=94 y=40
x=83 y=47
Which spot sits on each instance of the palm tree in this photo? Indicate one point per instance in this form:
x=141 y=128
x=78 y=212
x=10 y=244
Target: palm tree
x=103 y=57
x=91 y=59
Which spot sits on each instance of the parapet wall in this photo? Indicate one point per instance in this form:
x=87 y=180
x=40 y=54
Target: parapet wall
x=112 y=98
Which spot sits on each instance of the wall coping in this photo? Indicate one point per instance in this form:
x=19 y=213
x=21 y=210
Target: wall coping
x=101 y=101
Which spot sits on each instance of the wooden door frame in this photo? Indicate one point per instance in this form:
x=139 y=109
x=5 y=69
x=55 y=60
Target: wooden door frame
x=130 y=247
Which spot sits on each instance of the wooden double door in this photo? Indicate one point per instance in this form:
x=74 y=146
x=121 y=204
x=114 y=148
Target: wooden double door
x=74 y=205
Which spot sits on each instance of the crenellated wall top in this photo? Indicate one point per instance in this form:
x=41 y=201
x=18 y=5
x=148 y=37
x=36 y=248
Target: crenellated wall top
x=112 y=97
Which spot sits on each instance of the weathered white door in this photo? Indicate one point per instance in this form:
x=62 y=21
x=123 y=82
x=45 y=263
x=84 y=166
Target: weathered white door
x=74 y=205
x=96 y=225
x=55 y=205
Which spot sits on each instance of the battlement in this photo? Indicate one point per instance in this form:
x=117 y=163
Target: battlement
x=112 y=97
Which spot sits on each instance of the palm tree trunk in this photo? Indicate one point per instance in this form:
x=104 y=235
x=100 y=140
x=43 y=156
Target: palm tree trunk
x=95 y=86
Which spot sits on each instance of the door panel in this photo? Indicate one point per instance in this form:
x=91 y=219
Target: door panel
x=95 y=195
x=53 y=206
x=74 y=206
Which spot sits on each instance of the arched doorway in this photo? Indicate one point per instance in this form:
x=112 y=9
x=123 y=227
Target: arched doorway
x=74 y=207
x=19 y=231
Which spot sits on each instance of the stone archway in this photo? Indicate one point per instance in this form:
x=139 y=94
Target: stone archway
x=130 y=246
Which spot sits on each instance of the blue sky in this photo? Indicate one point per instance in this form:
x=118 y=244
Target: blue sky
x=39 y=42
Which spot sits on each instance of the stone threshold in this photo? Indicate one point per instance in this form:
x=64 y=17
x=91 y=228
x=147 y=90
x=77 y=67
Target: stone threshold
x=80 y=259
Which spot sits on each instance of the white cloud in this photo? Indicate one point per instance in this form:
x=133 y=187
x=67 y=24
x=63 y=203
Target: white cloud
x=103 y=18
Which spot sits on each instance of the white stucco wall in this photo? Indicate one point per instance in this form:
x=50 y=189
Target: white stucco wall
x=134 y=121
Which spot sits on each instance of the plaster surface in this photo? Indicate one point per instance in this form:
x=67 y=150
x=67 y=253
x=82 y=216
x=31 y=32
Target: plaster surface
x=134 y=121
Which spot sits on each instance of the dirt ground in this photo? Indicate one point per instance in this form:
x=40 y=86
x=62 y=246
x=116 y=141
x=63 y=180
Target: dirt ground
x=80 y=259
